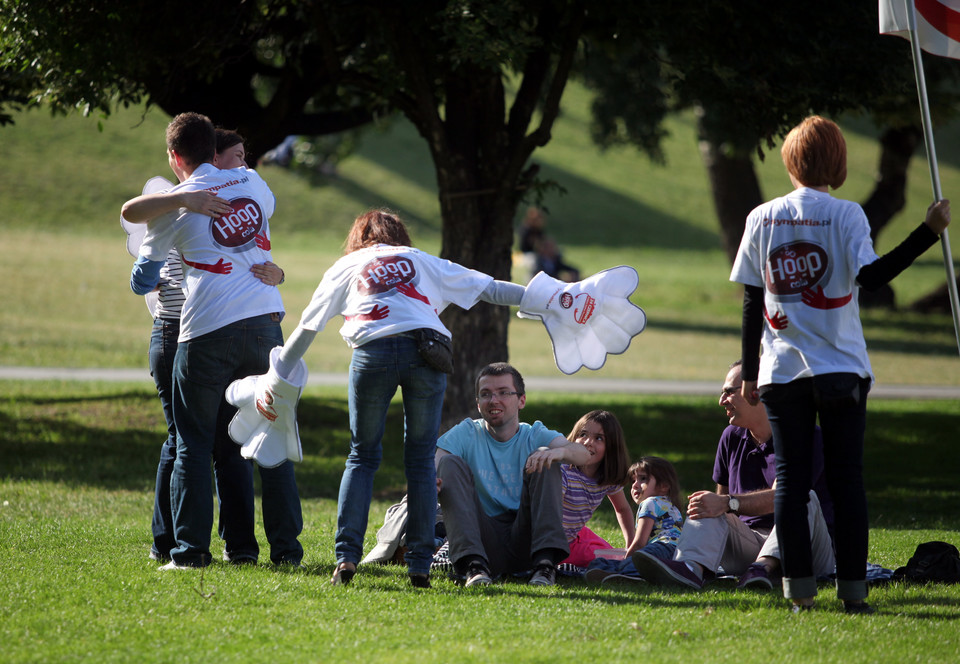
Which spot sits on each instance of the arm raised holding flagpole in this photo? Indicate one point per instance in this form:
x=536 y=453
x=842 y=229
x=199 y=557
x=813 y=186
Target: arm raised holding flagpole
x=899 y=17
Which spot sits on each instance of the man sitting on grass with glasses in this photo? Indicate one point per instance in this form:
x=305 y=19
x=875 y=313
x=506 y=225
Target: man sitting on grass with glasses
x=500 y=487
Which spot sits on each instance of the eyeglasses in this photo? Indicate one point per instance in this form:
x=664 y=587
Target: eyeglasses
x=730 y=391
x=501 y=395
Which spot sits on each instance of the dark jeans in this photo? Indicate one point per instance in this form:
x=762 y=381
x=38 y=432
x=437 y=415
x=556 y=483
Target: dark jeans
x=840 y=401
x=236 y=524
x=203 y=368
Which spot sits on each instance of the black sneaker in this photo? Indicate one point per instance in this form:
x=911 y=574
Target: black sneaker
x=419 y=580
x=858 y=608
x=544 y=575
x=477 y=575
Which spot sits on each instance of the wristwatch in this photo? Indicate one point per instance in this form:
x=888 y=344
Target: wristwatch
x=733 y=505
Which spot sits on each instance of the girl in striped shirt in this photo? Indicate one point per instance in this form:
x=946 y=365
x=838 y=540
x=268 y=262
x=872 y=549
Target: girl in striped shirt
x=585 y=487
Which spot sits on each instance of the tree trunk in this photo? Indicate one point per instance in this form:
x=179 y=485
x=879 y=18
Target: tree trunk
x=889 y=197
x=936 y=301
x=477 y=204
x=735 y=188
x=481 y=153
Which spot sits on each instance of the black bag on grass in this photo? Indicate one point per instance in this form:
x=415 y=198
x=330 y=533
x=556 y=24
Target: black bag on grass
x=933 y=562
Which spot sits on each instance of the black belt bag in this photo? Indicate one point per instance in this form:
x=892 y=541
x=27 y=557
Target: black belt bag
x=435 y=348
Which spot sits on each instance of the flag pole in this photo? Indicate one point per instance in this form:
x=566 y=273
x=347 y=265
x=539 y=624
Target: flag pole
x=932 y=162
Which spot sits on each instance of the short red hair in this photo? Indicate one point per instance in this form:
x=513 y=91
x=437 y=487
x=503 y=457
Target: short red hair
x=815 y=153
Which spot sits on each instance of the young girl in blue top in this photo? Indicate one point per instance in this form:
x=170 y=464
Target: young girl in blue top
x=656 y=490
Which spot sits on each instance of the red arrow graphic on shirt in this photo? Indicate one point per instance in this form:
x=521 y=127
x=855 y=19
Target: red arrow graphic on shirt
x=218 y=268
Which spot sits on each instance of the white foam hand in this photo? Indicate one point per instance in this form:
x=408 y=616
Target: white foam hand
x=265 y=425
x=587 y=319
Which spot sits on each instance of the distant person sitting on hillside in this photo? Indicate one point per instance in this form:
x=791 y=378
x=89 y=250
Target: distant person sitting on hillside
x=531 y=230
x=549 y=259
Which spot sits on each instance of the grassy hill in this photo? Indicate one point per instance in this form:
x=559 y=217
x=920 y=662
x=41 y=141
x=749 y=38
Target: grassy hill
x=62 y=181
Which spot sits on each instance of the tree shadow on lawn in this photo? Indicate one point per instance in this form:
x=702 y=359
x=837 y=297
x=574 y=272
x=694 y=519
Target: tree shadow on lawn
x=111 y=440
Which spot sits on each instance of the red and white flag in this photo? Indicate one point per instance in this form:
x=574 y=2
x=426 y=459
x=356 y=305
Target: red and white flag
x=938 y=24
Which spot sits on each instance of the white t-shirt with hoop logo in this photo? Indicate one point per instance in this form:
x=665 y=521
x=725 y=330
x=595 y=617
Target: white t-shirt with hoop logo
x=384 y=290
x=805 y=250
x=217 y=253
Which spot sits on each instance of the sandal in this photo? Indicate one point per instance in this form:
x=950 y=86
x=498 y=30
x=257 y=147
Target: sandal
x=343 y=574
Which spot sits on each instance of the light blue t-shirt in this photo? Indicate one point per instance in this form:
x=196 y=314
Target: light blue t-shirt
x=497 y=467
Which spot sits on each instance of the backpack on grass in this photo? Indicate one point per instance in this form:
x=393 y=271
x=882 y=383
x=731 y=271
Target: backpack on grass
x=933 y=562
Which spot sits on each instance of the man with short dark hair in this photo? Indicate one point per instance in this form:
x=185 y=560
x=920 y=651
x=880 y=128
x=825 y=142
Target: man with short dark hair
x=230 y=322
x=500 y=486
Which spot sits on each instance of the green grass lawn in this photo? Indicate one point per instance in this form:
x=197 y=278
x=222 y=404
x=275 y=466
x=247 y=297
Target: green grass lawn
x=76 y=496
x=77 y=460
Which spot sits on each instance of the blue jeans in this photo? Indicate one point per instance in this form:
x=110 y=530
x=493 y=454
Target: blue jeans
x=377 y=369
x=203 y=368
x=661 y=550
x=840 y=401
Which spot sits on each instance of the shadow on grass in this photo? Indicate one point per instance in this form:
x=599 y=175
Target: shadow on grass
x=110 y=439
x=907 y=334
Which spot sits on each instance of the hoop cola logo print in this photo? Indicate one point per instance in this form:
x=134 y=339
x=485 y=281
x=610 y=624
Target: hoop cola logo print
x=583 y=305
x=382 y=274
x=235 y=230
x=794 y=268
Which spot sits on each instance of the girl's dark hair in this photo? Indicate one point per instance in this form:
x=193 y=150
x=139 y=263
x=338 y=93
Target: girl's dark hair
x=227 y=138
x=665 y=474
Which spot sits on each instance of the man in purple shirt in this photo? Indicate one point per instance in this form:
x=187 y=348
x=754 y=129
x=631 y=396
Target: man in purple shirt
x=732 y=527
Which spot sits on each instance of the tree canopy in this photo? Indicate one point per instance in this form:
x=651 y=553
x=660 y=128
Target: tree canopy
x=271 y=68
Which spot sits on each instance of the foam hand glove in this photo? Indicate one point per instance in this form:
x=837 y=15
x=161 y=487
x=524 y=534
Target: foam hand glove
x=136 y=233
x=586 y=319
x=265 y=425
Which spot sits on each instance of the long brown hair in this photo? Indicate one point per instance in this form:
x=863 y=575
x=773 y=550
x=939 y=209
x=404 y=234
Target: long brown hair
x=616 y=461
x=377 y=227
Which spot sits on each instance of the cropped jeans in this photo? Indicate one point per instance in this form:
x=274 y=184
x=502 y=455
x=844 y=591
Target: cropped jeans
x=203 y=368
x=840 y=401
x=377 y=369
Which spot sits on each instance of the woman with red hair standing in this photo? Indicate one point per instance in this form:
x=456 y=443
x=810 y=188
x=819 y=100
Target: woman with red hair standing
x=802 y=260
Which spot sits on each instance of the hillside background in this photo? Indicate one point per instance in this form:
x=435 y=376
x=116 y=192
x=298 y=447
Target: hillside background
x=67 y=303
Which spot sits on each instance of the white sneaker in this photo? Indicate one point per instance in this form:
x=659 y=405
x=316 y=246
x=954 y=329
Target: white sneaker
x=173 y=566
